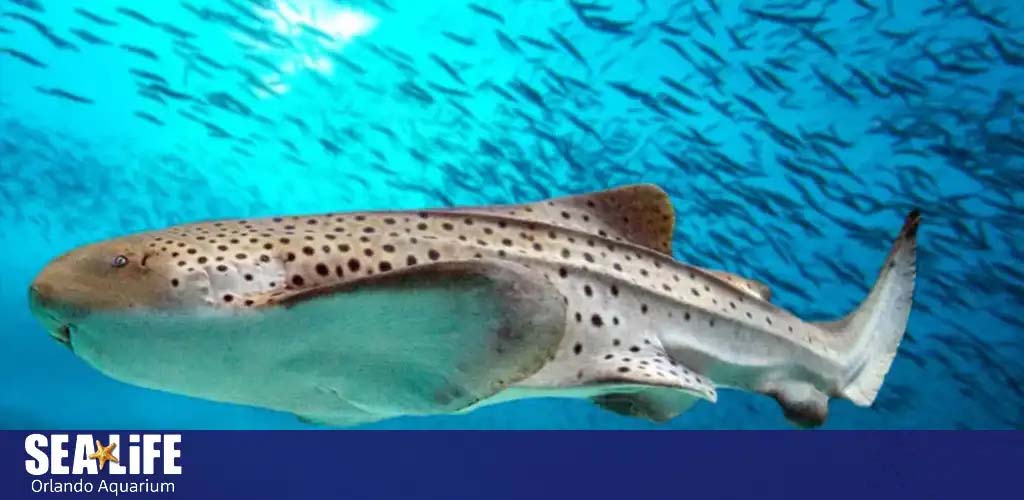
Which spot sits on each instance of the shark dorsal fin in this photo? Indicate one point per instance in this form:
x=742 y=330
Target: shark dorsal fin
x=641 y=214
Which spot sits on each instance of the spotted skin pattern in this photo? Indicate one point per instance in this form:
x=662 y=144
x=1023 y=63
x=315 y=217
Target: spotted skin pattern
x=636 y=318
x=576 y=242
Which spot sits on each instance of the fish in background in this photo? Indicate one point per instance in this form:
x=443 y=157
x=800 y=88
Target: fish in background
x=791 y=122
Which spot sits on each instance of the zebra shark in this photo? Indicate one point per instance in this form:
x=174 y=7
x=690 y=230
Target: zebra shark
x=345 y=318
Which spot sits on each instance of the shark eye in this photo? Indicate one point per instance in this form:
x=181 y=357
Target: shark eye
x=119 y=261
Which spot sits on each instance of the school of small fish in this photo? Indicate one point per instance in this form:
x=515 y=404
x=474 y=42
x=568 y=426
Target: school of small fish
x=790 y=134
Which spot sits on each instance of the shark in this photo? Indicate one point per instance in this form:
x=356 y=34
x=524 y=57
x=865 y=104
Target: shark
x=347 y=318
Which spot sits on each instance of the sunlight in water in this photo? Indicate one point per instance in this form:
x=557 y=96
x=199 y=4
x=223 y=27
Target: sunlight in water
x=316 y=28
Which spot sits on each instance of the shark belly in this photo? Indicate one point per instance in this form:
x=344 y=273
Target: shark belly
x=220 y=357
x=409 y=344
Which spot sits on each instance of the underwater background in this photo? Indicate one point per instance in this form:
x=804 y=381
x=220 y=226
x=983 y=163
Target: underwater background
x=793 y=137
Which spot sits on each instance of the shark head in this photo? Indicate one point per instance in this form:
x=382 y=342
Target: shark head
x=312 y=314
x=106 y=277
x=128 y=306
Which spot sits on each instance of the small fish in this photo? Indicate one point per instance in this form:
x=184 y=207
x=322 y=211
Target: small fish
x=678 y=50
x=94 y=18
x=228 y=103
x=37 y=25
x=449 y=90
x=529 y=93
x=975 y=12
x=783 y=18
x=23 y=57
x=679 y=87
x=675 y=104
x=89 y=37
x=668 y=28
x=507 y=42
x=836 y=87
x=483 y=11
x=750 y=104
x=329 y=146
x=30 y=4
x=1008 y=57
x=317 y=32
x=144 y=52
x=540 y=44
x=136 y=15
x=414 y=91
x=459 y=39
x=63 y=94
x=148 y=75
x=168 y=92
x=737 y=40
x=177 y=32
x=585 y=127
x=447 y=68
x=216 y=131
x=703 y=23
x=569 y=47
x=818 y=40
x=210 y=62
x=709 y=52
x=149 y=118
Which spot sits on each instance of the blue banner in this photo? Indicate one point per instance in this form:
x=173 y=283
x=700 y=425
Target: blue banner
x=521 y=465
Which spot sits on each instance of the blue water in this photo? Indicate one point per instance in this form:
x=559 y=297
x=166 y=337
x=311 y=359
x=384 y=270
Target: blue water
x=360 y=113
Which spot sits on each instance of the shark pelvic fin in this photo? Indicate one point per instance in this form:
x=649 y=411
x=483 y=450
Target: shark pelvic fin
x=644 y=365
x=643 y=381
x=657 y=404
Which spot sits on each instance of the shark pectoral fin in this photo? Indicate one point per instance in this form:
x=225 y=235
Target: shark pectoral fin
x=643 y=381
x=427 y=339
x=748 y=286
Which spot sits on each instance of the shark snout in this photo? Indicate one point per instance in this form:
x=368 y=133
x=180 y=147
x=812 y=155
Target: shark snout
x=38 y=293
x=47 y=312
x=59 y=300
x=69 y=287
x=51 y=295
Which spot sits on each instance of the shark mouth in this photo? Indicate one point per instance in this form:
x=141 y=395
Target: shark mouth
x=62 y=334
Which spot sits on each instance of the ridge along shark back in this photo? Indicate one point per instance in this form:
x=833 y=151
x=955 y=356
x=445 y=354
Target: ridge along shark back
x=355 y=317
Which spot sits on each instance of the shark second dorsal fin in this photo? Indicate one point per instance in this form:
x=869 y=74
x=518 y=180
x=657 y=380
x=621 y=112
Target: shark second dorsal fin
x=748 y=286
x=641 y=214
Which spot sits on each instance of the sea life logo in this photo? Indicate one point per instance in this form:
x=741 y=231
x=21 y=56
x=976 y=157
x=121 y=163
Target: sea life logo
x=95 y=459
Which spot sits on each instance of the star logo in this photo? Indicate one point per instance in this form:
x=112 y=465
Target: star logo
x=104 y=453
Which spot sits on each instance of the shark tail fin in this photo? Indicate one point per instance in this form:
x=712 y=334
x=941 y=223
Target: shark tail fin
x=876 y=327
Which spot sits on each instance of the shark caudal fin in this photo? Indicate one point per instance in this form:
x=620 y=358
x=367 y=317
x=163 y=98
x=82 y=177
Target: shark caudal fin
x=876 y=327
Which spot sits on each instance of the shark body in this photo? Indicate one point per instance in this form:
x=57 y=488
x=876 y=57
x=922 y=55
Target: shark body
x=355 y=317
